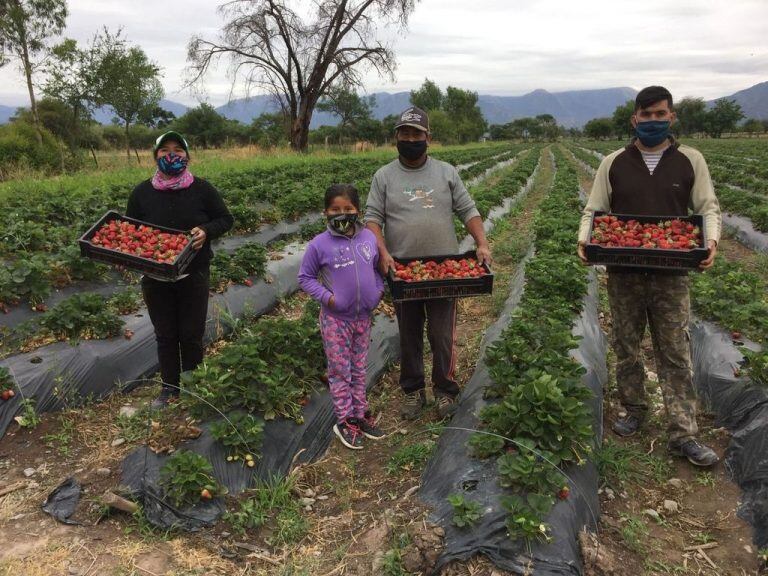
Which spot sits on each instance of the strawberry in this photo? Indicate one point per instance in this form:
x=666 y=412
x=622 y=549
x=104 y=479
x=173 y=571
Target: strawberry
x=735 y=335
x=205 y=494
x=564 y=492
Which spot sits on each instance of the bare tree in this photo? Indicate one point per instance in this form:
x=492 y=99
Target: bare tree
x=271 y=47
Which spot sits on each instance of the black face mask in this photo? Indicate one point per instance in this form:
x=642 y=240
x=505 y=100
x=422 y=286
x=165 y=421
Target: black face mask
x=342 y=223
x=411 y=150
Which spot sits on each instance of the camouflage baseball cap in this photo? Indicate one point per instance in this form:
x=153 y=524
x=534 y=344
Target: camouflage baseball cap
x=415 y=117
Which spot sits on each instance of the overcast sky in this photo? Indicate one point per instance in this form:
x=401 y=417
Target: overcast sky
x=707 y=48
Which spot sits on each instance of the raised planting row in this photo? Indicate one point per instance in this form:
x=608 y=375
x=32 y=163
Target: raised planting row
x=40 y=258
x=585 y=156
x=277 y=413
x=92 y=316
x=541 y=403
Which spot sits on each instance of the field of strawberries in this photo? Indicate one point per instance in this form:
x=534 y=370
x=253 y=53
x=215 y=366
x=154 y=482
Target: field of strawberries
x=540 y=409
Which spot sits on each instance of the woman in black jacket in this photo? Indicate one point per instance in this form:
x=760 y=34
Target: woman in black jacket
x=175 y=198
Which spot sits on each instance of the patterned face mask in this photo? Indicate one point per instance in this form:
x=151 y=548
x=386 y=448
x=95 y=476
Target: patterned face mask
x=342 y=223
x=172 y=164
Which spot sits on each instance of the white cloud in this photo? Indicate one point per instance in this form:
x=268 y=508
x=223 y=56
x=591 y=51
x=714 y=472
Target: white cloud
x=702 y=48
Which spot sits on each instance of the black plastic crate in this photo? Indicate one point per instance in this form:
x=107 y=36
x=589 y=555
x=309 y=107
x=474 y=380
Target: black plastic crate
x=403 y=291
x=138 y=263
x=666 y=259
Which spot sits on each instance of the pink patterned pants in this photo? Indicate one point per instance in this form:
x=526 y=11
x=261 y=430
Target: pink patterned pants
x=346 y=348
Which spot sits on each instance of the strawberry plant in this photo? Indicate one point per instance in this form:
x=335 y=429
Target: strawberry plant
x=126 y=301
x=82 y=316
x=25 y=278
x=6 y=384
x=525 y=514
x=529 y=469
x=485 y=445
x=242 y=436
x=263 y=371
x=187 y=477
x=541 y=400
x=466 y=513
x=757 y=366
x=733 y=297
x=248 y=260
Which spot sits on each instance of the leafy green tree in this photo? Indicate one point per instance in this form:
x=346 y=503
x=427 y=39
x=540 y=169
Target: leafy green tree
x=203 y=126
x=129 y=83
x=621 y=118
x=25 y=27
x=72 y=77
x=429 y=97
x=349 y=106
x=723 y=117
x=156 y=117
x=691 y=116
x=388 y=124
x=753 y=126
x=270 y=130
x=599 y=128
x=461 y=106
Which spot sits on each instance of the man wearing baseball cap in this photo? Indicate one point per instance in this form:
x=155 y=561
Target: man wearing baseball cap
x=410 y=209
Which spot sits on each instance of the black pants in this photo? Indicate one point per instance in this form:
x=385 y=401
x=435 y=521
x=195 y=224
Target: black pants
x=178 y=311
x=440 y=316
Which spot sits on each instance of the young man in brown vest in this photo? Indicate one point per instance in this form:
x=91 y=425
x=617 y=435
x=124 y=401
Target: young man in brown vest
x=655 y=175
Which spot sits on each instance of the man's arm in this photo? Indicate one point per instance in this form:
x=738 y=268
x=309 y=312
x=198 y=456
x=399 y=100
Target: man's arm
x=375 y=213
x=385 y=258
x=475 y=228
x=704 y=202
x=465 y=209
x=599 y=200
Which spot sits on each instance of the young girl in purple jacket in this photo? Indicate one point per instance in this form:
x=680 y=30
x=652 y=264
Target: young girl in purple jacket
x=339 y=270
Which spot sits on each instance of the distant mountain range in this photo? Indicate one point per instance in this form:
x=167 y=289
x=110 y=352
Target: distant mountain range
x=571 y=108
x=753 y=101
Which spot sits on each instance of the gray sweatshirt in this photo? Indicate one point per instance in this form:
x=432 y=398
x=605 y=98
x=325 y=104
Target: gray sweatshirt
x=415 y=207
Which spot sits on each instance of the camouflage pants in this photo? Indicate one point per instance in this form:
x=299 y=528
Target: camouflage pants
x=662 y=303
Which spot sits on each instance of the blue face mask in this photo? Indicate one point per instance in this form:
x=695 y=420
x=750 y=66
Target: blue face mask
x=653 y=132
x=172 y=164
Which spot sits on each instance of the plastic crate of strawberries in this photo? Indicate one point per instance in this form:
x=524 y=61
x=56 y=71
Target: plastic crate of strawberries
x=450 y=276
x=155 y=250
x=664 y=242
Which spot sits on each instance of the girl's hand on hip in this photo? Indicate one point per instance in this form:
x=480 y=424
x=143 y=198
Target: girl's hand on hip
x=198 y=237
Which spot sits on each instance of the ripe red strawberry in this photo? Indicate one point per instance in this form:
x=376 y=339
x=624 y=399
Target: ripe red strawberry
x=735 y=335
x=564 y=492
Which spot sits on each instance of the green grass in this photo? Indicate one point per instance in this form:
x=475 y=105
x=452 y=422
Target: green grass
x=271 y=499
x=622 y=463
x=410 y=457
x=634 y=531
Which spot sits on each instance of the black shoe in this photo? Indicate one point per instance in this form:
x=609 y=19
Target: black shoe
x=349 y=434
x=446 y=405
x=413 y=404
x=627 y=426
x=167 y=395
x=367 y=425
x=697 y=453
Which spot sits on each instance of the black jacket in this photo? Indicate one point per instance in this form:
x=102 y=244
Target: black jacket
x=199 y=205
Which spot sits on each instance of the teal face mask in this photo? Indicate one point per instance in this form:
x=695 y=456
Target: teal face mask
x=653 y=132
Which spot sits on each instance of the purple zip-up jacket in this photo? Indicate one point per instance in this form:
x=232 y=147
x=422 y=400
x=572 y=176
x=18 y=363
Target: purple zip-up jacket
x=345 y=268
